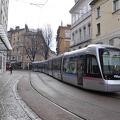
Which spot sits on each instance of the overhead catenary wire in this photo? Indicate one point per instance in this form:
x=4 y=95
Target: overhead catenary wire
x=36 y=4
x=39 y=5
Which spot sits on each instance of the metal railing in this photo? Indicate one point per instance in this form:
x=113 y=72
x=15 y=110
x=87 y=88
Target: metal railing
x=80 y=40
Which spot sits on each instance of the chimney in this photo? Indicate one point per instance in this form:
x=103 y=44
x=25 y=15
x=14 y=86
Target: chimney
x=61 y=23
x=11 y=29
x=17 y=28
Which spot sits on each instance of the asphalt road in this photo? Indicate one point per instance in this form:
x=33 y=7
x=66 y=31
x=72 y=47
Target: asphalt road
x=26 y=95
x=55 y=100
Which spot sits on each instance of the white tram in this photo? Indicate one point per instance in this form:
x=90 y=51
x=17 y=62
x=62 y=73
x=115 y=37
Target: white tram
x=95 y=67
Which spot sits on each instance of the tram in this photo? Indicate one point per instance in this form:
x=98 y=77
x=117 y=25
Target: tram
x=95 y=67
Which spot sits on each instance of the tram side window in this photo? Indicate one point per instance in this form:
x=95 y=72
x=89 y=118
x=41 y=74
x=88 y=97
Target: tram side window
x=50 y=65
x=40 y=65
x=46 y=65
x=92 y=67
x=81 y=63
x=59 y=64
x=70 y=65
x=54 y=65
x=66 y=65
x=36 y=66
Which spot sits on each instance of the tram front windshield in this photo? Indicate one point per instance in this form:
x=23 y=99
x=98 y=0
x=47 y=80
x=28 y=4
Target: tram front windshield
x=110 y=63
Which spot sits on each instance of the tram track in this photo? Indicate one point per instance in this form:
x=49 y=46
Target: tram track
x=69 y=96
x=56 y=104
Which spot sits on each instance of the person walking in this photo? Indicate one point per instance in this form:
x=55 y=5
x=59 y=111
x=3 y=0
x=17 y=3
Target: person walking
x=11 y=69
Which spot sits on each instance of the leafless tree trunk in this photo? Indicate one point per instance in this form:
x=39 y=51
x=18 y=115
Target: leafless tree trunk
x=34 y=44
x=48 y=36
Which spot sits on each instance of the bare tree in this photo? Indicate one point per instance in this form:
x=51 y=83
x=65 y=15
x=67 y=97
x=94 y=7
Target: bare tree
x=48 y=37
x=34 y=44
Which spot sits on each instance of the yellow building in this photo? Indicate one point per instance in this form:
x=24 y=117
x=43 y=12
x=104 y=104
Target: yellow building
x=63 y=39
x=106 y=22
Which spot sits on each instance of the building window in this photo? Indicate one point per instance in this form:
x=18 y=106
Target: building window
x=98 y=12
x=77 y=16
x=80 y=13
x=89 y=29
x=73 y=19
x=67 y=34
x=13 y=58
x=84 y=28
x=80 y=34
x=98 y=28
x=116 y=5
x=27 y=58
x=73 y=36
x=111 y=42
x=84 y=9
x=99 y=43
x=19 y=57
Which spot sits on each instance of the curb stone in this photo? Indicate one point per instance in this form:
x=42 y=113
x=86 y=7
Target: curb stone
x=24 y=106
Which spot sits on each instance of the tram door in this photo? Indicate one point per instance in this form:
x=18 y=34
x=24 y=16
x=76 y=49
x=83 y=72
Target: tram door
x=80 y=68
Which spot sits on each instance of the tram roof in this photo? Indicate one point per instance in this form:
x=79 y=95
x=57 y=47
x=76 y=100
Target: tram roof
x=75 y=52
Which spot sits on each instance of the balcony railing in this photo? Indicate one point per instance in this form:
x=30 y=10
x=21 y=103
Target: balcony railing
x=82 y=18
x=80 y=40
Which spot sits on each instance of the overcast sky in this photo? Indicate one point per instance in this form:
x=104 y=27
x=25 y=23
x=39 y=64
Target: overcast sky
x=53 y=12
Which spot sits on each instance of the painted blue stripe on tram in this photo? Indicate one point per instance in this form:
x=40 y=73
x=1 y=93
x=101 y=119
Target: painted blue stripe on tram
x=71 y=75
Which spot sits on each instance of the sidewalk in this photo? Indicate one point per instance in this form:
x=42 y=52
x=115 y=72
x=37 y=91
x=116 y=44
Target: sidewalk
x=12 y=106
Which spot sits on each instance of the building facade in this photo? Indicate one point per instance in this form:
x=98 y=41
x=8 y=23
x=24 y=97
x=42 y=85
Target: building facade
x=80 y=24
x=63 y=39
x=106 y=22
x=16 y=37
x=4 y=42
x=19 y=39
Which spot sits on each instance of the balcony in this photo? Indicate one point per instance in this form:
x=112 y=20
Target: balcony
x=82 y=18
x=81 y=40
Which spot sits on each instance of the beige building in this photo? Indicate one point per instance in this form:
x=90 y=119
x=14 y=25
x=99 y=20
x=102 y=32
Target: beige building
x=16 y=37
x=80 y=24
x=106 y=22
x=4 y=42
x=63 y=39
x=18 y=56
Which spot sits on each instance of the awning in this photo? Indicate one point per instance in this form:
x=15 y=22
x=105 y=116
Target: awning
x=4 y=42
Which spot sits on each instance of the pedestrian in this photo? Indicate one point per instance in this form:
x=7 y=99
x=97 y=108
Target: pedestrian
x=11 y=69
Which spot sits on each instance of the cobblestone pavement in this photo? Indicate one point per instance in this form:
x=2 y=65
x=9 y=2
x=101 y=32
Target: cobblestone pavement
x=10 y=109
